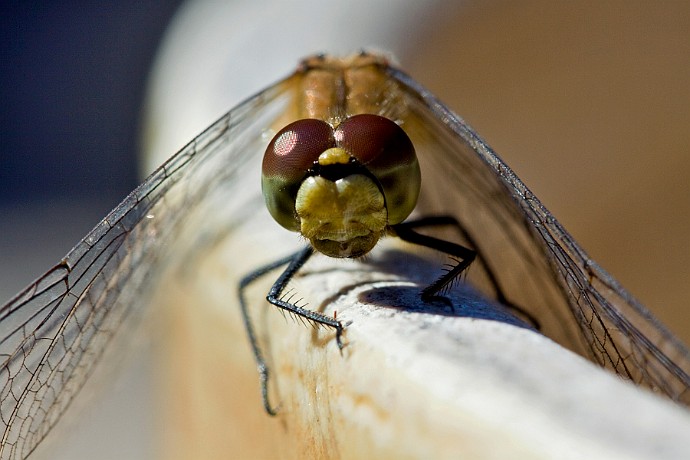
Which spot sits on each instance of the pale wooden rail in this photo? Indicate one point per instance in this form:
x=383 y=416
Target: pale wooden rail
x=414 y=381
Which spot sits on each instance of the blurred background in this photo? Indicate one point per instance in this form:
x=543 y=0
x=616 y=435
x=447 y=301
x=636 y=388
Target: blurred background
x=589 y=103
x=73 y=77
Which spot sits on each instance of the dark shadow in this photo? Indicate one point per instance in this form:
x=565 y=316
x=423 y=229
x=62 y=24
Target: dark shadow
x=461 y=300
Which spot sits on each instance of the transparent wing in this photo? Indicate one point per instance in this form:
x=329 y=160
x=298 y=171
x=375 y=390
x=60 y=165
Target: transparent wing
x=53 y=332
x=537 y=264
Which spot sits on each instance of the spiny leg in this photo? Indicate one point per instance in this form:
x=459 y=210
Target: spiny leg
x=274 y=296
x=405 y=232
x=448 y=220
x=500 y=293
x=295 y=261
x=442 y=220
x=258 y=354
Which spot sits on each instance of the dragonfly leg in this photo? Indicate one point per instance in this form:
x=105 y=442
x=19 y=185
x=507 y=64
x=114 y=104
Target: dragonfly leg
x=445 y=280
x=274 y=296
x=406 y=232
x=295 y=262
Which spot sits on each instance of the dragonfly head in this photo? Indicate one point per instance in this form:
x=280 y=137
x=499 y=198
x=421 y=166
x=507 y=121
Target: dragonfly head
x=340 y=188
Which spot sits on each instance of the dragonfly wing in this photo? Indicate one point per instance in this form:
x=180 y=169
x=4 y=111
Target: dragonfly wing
x=537 y=263
x=54 y=331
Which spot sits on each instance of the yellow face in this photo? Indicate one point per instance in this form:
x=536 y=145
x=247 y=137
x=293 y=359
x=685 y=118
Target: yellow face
x=340 y=188
x=344 y=218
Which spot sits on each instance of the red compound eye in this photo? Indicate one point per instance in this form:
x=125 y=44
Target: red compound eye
x=375 y=141
x=296 y=147
x=387 y=152
x=289 y=155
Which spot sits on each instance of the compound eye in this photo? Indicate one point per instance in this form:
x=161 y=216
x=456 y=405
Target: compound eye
x=374 y=139
x=295 y=148
x=387 y=152
x=288 y=157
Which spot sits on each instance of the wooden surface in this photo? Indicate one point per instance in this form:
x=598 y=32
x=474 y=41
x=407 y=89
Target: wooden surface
x=414 y=381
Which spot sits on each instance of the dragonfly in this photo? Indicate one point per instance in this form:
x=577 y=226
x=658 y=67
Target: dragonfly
x=55 y=331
